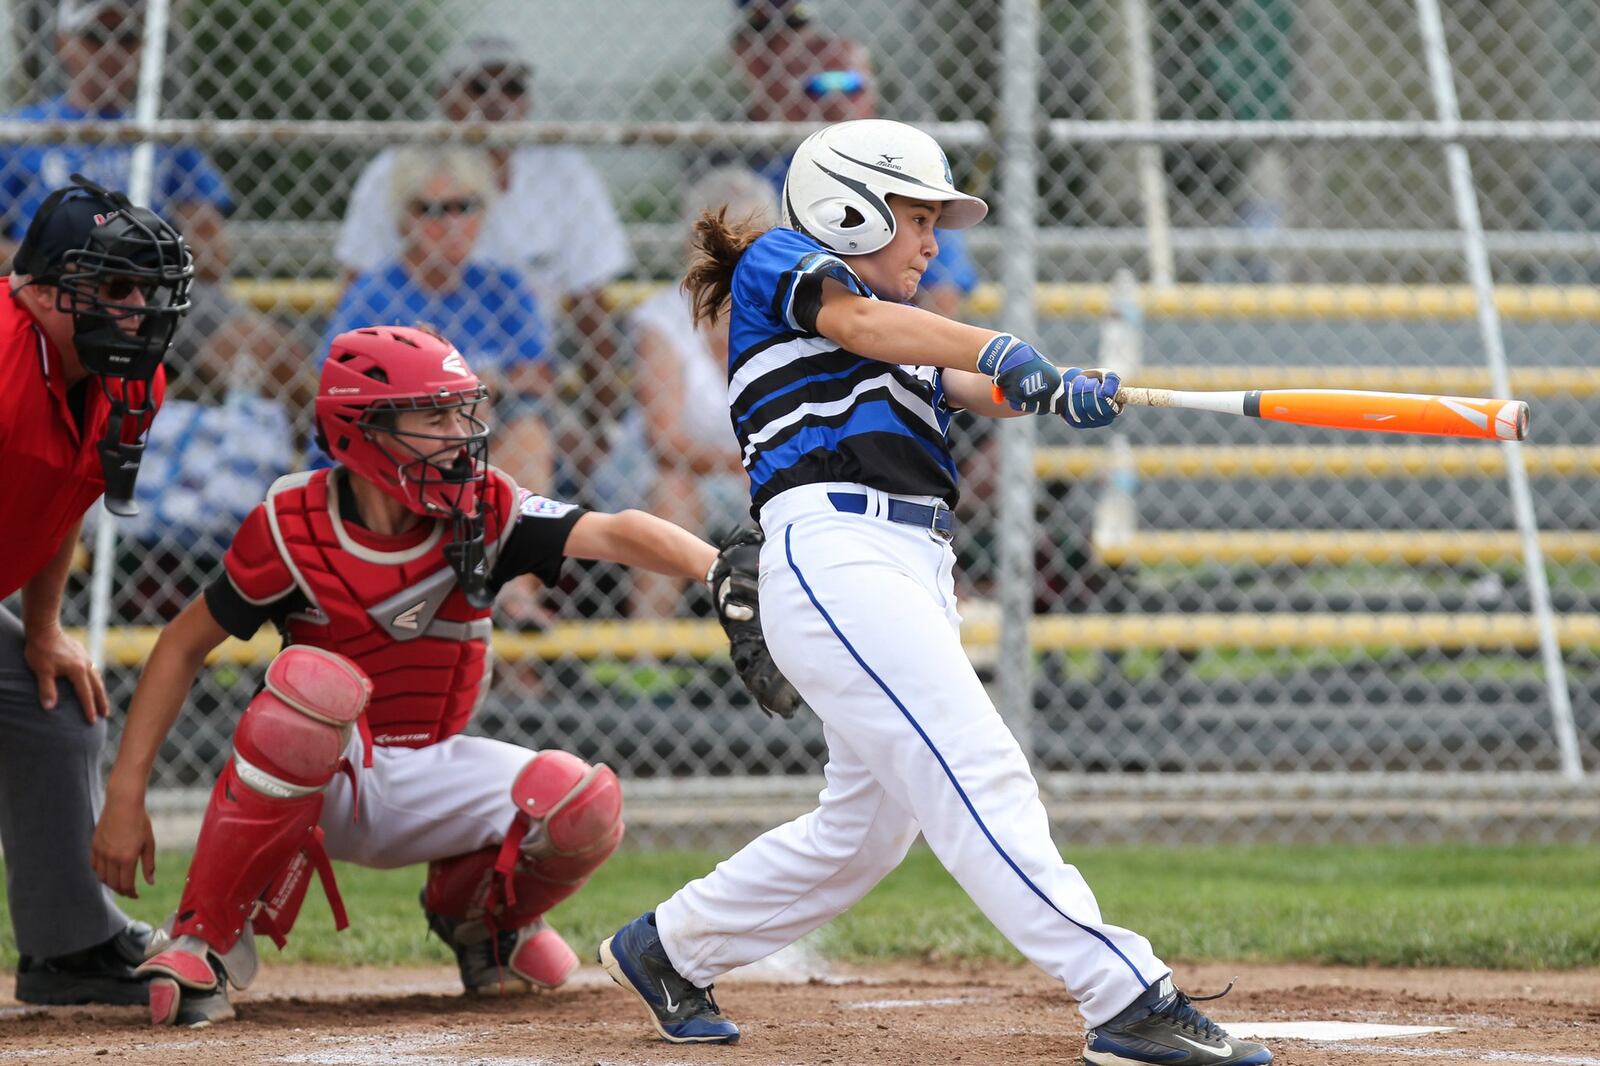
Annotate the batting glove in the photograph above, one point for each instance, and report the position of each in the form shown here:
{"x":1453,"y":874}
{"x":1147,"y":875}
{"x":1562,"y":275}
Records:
{"x":1025,"y":379}
{"x":1089,"y":398}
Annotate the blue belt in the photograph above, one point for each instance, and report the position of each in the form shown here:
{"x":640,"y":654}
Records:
{"x":937,"y":519}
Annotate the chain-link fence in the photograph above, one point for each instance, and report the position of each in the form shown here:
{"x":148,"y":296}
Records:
{"x":1214,"y":601}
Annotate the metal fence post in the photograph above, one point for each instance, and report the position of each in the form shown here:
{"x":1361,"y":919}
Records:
{"x":1019,"y":97}
{"x":147,"y":106}
{"x":1477,"y":254}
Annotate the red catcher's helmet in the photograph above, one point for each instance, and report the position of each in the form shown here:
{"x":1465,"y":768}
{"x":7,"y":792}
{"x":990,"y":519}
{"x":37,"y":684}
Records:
{"x":374,"y":372}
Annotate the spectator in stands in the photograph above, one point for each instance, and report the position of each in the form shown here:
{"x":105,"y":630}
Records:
{"x":553,"y":222}
{"x":793,"y":71}
{"x":225,"y":347}
{"x":682,"y":382}
{"x":439,"y":201}
{"x":98,"y":43}
{"x":221,"y":344}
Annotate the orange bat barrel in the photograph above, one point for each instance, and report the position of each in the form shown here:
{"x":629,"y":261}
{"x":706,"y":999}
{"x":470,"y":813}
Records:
{"x":1392,"y":412}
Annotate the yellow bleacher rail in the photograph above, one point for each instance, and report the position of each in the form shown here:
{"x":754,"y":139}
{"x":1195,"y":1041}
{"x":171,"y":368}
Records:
{"x":1300,"y":547}
{"x":1518,"y":303}
{"x":1526,"y":382}
{"x":620,"y":641}
{"x":1409,"y":461}
{"x":1525,"y":303}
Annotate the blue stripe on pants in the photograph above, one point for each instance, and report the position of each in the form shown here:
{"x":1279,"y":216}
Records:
{"x":1035,"y":889}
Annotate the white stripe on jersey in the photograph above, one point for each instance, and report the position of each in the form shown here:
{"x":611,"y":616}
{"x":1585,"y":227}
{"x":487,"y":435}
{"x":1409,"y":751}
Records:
{"x":778,"y":355}
{"x":905,"y":398}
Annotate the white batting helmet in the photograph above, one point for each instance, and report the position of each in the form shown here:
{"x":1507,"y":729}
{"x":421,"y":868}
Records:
{"x":839,"y":180}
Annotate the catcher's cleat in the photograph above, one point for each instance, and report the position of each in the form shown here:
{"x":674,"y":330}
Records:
{"x":99,"y":974}
{"x":188,"y":986}
{"x":682,"y":1013}
{"x":1163,"y":1027}
{"x":533,"y":956}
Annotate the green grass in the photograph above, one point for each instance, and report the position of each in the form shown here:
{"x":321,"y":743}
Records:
{"x":1504,"y":908}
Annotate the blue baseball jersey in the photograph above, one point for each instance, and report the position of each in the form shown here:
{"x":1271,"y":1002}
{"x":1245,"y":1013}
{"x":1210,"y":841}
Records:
{"x":806,"y":411}
{"x":30,"y":172}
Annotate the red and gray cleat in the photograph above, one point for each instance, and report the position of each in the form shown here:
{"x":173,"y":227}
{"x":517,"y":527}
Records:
{"x":188,"y":985}
{"x":507,"y":960}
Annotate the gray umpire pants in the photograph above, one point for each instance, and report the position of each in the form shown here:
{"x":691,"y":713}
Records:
{"x":50,"y":795}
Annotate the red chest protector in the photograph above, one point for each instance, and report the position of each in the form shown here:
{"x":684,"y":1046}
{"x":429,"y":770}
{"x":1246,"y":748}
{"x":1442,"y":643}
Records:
{"x":390,"y":604}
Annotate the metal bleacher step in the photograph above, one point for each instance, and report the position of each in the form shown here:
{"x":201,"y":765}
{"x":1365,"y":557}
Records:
{"x":1387,"y":303}
{"x":129,"y":646}
{"x":1332,"y":547}
{"x":1354,"y":461}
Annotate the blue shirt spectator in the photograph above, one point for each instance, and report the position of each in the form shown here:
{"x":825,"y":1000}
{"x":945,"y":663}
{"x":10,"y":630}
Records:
{"x":183,"y":175}
{"x":490,"y":316}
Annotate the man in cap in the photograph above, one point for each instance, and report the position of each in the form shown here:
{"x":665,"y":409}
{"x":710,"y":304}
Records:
{"x":96,"y":290}
{"x":792,"y":70}
{"x":98,"y":43}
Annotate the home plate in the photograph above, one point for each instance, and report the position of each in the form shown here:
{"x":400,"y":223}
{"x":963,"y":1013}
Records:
{"x":1326,"y":1030}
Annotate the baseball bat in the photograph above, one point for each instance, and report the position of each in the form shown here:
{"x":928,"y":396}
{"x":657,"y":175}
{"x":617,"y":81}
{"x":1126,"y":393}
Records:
{"x":1352,"y":409}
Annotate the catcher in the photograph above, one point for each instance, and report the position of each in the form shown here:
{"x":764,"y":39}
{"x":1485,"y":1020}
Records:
{"x":380,"y":574}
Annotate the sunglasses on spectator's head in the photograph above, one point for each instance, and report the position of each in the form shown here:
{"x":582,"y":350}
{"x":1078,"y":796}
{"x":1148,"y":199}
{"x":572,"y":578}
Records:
{"x":125,"y":36}
{"x":464,"y":205}
{"x":848,"y":82}
{"x":483,"y":85}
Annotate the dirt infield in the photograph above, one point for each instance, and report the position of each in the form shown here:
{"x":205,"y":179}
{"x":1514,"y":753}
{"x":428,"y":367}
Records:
{"x":987,"y":1016}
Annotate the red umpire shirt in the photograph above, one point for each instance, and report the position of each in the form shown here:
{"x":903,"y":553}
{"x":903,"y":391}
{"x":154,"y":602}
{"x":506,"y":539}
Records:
{"x":49,"y":443}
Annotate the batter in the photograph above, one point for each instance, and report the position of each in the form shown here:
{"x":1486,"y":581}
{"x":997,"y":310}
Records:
{"x":840,"y":394}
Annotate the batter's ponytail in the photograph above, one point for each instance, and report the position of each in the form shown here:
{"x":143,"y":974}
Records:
{"x":714,"y":250}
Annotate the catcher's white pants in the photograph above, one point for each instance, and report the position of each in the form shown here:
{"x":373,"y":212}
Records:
{"x":422,"y":804}
{"x":860,"y":613}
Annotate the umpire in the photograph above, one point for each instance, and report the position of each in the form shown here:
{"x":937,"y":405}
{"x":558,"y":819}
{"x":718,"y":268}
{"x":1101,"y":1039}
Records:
{"x":96,"y":290}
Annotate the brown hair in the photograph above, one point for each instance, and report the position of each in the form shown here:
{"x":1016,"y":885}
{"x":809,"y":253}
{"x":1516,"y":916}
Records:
{"x":714,"y":250}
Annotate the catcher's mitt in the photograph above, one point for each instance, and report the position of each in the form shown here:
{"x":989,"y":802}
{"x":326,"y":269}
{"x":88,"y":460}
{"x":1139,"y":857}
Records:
{"x":733,"y":578}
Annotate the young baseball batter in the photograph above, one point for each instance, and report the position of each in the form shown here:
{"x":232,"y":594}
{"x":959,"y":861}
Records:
{"x":380,"y":574}
{"x":840,"y":394}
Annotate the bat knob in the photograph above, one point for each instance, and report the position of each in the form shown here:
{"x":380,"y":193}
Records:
{"x":999,"y":395}
{"x":1511,"y":421}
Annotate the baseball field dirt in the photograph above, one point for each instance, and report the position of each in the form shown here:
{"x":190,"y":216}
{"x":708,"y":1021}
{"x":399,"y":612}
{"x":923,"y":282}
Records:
{"x":904,"y":1014}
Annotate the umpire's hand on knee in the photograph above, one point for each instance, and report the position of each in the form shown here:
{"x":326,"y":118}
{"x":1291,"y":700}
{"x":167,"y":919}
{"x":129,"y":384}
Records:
{"x":53,"y":655}
{"x":1089,"y":399}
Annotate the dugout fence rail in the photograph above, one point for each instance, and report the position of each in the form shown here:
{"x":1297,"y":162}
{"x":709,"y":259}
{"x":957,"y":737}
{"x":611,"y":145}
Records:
{"x":1389,"y":625}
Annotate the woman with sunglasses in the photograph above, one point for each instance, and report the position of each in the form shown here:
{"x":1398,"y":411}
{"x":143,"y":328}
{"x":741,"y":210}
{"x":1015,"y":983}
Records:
{"x":438,"y":201}
{"x":552,"y":220}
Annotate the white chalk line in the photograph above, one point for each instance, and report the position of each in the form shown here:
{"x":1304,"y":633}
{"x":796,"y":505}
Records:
{"x":1328,"y":1031}
{"x":1467,"y":1056}
{"x":898,"y":1004}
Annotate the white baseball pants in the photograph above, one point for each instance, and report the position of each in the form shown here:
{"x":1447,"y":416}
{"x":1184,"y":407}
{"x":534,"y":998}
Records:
{"x":860,"y":614}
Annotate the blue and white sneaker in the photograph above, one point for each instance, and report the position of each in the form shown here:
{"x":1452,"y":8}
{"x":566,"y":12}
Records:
{"x":682,"y":1013}
{"x":1164,"y":1028}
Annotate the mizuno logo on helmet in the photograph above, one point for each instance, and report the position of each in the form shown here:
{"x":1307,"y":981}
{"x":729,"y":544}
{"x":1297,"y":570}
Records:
{"x":889,"y":160}
{"x":454,"y":364}
{"x":891,"y":170}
